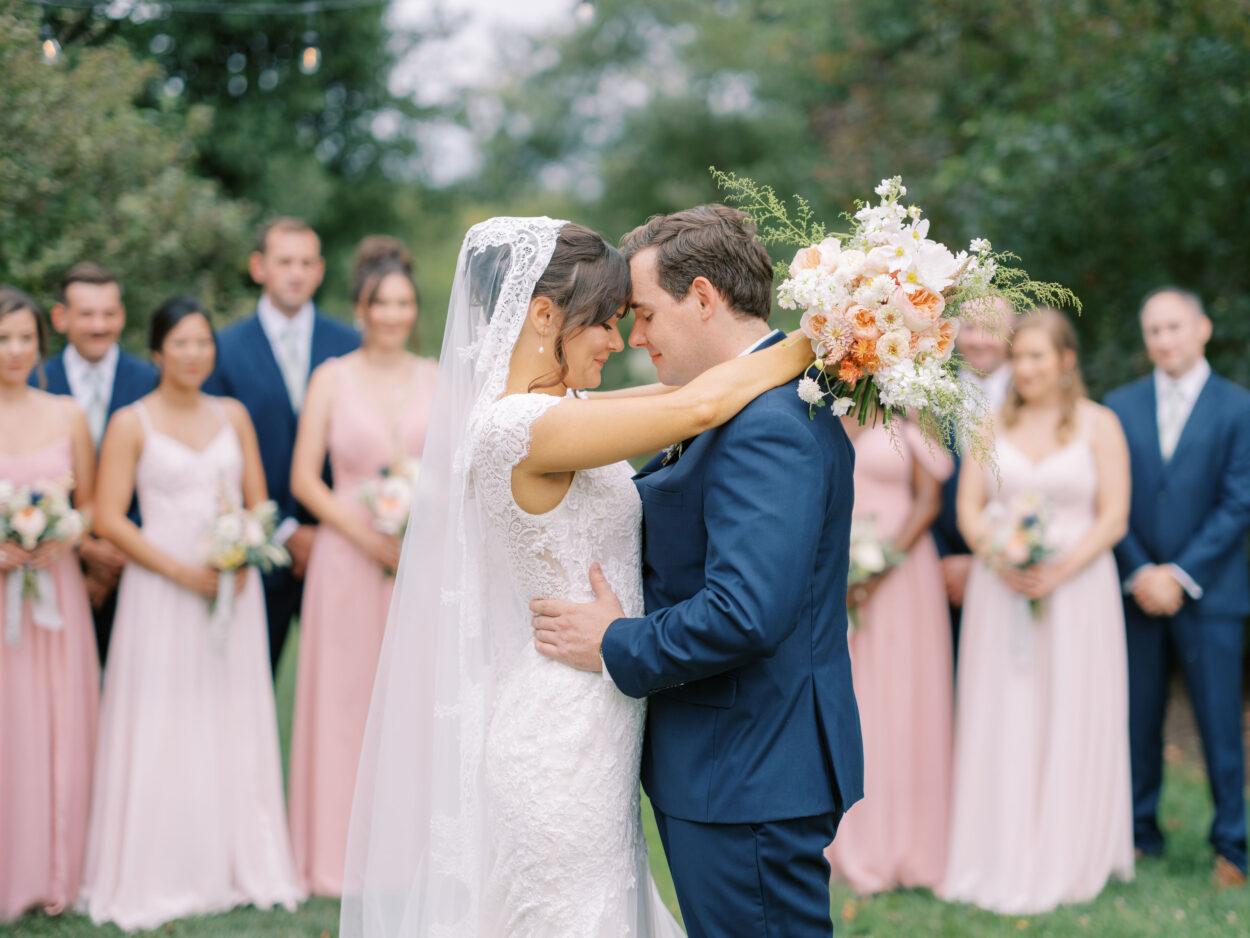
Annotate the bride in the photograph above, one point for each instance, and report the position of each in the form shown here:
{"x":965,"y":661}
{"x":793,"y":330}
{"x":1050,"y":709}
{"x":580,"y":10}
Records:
{"x":498,"y":791}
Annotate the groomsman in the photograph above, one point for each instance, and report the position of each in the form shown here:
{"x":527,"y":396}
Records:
{"x":984,"y":350}
{"x":265,"y":361}
{"x":101,"y":377}
{"x":1183,"y":565}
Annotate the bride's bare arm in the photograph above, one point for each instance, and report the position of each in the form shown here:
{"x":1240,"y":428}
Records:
{"x":642,"y":390}
{"x":584,"y":434}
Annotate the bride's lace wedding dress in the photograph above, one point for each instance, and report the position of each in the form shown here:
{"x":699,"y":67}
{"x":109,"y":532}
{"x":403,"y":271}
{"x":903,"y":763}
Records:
{"x":498,"y":791}
{"x":562,"y":746}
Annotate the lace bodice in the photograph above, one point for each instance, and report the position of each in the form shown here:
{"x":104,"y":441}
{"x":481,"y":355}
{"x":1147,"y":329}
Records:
{"x":549,"y":555}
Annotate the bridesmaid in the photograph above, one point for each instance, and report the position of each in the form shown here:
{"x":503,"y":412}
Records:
{"x":1041,"y":814}
{"x":366,"y":411}
{"x":187,"y":817}
{"x":49,"y":678}
{"x":901,"y":662}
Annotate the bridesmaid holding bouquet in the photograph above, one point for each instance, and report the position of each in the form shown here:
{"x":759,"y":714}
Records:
{"x":187,"y":817}
{"x":368,"y":413}
{"x":49,"y":673}
{"x":1041,"y":814}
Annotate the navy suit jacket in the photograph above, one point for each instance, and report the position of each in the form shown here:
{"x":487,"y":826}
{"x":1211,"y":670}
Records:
{"x":945,"y":528}
{"x":133,"y":379}
{"x":743,"y":651}
{"x":248,"y":371}
{"x":1193,"y":510}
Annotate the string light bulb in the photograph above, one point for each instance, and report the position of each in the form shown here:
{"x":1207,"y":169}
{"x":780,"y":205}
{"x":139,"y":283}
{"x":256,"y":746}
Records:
{"x":49,"y":47}
{"x":310,"y":55}
{"x":584,"y":13}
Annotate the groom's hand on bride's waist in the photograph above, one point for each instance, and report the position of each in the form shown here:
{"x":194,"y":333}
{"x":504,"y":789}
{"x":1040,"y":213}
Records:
{"x":572,"y":633}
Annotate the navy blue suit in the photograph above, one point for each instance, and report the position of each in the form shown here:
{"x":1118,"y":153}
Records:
{"x":248,"y":371}
{"x":1193,"y":511}
{"x":133,"y":379}
{"x":753,"y":746}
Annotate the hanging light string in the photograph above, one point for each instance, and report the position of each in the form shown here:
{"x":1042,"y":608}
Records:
{"x":217,"y":7}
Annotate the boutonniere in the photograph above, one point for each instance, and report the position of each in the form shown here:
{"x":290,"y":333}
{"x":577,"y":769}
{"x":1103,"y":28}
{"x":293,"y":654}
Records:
{"x":671,"y":453}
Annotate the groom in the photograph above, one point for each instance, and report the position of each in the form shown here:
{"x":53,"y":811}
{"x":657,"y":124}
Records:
{"x":753,"y":748}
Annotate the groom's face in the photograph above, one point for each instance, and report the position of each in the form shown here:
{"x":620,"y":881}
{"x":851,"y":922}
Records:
{"x":665,"y":327}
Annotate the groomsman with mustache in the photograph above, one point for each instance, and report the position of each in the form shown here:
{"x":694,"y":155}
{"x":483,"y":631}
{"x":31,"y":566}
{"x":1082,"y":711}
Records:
{"x":1183,"y":565}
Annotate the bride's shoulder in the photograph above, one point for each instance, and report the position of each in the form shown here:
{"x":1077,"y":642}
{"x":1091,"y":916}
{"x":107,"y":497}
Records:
{"x":518,"y":409}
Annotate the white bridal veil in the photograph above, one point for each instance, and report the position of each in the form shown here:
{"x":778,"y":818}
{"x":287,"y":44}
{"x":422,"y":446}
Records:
{"x":417,"y":847}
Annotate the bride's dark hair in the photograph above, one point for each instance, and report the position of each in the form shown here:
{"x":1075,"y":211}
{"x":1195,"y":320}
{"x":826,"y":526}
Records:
{"x":588,"y":280}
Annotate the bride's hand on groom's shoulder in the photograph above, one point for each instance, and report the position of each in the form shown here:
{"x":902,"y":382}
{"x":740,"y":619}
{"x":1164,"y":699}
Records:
{"x":572,"y":633}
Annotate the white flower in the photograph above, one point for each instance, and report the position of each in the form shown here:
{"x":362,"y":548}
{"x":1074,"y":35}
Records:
{"x":894,"y":346}
{"x":253,"y":532}
{"x":29,"y":524}
{"x":869,"y":556}
{"x":229,"y":529}
{"x":932,"y":266}
{"x":913,"y":212}
{"x":979,"y":246}
{"x":810,"y":392}
{"x":889,"y":318}
{"x":842,"y":406}
{"x":830,"y":251}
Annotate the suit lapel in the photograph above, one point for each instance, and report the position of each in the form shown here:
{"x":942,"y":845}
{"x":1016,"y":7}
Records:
{"x":54,"y":374}
{"x":1150,"y":426}
{"x":122,"y":377}
{"x":319,"y":347}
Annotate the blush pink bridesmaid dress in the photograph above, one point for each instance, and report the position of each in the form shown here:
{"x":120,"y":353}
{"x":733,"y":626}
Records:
{"x":1041,"y":814}
{"x":187,"y":817}
{"x":49,"y":696}
{"x":346,"y":598}
{"x":901,"y":663}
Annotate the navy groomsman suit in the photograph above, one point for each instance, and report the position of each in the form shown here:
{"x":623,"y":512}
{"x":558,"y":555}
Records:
{"x":753,"y":748}
{"x":1191,"y":510}
{"x":132,"y":379}
{"x":248,"y":370}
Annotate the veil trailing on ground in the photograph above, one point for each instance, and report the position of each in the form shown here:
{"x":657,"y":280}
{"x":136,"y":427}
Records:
{"x":417,"y":849}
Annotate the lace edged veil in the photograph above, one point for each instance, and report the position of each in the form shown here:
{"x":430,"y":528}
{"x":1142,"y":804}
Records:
{"x":417,"y":854}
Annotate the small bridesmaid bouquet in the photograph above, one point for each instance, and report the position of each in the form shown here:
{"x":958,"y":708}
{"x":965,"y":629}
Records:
{"x":1019,"y":537}
{"x":389,"y":497}
{"x":31,"y":516}
{"x":871,"y":556}
{"x":240,"y":537}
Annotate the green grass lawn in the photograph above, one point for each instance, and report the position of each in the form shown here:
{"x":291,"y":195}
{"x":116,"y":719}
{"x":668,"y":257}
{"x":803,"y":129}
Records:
{"x":1171,"y":898}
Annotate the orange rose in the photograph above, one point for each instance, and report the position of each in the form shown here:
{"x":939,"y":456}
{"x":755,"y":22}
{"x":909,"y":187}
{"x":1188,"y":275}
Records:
{"x":806,"y":259}
{"x":921,"y":309}
{"x":849,"y":372}
{"x":863,"y":323}
{"x":947,"y":330}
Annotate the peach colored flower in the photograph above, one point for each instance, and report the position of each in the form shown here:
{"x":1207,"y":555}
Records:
{"x":864,"y":354}
{"x":814,"y":324}
{"x":805,"y":259}
{"x":863,"y":322}
{"x":849,"y":372}
{"x":947,"y":330}
{"x":921,"y":308}
{"x":894,"y":346}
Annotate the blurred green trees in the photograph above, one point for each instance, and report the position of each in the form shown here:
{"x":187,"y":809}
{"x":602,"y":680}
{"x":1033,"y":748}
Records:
{"x":84,"y":173}
{"x":1103,"y":142}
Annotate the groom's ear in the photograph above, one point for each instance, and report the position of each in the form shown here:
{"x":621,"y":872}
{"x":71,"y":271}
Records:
{"x":708,"y":297}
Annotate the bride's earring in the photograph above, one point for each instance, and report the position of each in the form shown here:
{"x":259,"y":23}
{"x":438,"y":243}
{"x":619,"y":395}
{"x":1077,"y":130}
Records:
{"x":541,"y":347}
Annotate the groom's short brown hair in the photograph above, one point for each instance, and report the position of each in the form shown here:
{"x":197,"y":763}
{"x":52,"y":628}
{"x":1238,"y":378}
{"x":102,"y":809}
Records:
{"x":712,"y":241}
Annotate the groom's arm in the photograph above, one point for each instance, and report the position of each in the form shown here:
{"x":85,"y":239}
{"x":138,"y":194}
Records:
{"x":764,"y":503}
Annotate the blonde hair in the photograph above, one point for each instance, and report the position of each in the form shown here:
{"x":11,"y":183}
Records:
{"x":1058,"y":328}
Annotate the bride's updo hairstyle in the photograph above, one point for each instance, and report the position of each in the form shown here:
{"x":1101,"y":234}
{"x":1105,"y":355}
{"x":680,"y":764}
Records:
{"x":1059,"y":330}
{"x":588,"y":280}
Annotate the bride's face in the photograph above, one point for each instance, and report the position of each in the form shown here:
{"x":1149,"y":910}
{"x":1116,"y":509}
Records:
{"x":588,"y":350}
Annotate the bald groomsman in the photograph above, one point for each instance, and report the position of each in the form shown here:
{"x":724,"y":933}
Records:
{"x":1183,"y":564}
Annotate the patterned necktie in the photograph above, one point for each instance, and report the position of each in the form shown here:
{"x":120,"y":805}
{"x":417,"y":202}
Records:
{"x":1171,"y":419}
{"x":294,"y":369}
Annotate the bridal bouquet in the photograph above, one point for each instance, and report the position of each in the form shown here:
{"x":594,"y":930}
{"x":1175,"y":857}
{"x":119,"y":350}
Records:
{"x":1018,"y":538}
{"x":883,"y":303}
{"x":389,"y":497}
{"x":871,"y":556}
{"x":240,"y":537}
{"x":30,"y":516}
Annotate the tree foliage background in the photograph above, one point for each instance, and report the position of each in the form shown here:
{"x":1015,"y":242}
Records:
{"x":1101,"y":140}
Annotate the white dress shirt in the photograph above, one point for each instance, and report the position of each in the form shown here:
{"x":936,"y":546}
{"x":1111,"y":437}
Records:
{"x":1174,"y":402}
{"x":91,"y":383}
{"x":290,"y":337}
